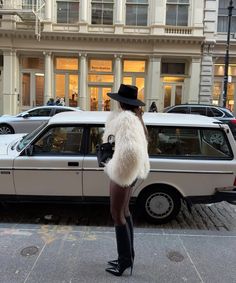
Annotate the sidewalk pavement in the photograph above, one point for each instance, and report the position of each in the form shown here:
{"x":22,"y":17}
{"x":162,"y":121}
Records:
{"x":36,"y":253}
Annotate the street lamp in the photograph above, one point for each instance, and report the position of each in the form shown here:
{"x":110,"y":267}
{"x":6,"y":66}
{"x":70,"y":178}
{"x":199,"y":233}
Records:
{"x":230,"y":8}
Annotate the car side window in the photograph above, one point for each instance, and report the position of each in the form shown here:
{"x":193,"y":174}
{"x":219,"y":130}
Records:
{"x":172,"y":141}
{"x":59,"y":110}
{"x":216,"y":112}
{"x":198,"y":110}
{"x":177,"y":142}
{"x":40,"y":112}
{"x":95,"y":137}
{"x":60,"y":140}
{"x":180,"y":109}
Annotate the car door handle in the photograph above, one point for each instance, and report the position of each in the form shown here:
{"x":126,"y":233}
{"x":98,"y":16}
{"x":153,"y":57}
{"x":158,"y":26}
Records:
{"x":73,"y":163}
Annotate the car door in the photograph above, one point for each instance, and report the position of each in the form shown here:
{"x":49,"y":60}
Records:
{"x":95,"y":181}
{"x":31,"y":119}
{"x":55,"y":166}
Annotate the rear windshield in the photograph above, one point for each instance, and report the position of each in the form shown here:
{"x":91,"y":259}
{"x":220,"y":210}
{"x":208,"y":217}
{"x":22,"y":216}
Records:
{"x":185,"y":142}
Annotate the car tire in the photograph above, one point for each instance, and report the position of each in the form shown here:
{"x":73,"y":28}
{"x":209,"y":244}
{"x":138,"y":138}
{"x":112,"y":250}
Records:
{"x":6,"y":130}
{"x":159,"y":204}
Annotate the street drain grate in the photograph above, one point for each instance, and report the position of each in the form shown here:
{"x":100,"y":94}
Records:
{"x":175,"y":256}
{"x":28,"y":251}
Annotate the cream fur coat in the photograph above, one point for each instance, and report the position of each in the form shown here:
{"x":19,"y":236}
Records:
{"x":130,"y":159}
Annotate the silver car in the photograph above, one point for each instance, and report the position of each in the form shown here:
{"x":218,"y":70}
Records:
{"x":29,"y":120}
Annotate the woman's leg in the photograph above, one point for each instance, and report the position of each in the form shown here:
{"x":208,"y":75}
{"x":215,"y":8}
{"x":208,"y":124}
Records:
{"x":126,"y":210}
{"x":119,"y":197}
{"x":129,"y":221}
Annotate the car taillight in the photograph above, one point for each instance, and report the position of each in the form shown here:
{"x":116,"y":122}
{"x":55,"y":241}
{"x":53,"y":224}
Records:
{"x":233,"y":121}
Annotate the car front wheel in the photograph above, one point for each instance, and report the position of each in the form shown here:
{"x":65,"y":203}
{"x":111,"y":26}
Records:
{"x":6,"y":130}
{"x":160,"y":205}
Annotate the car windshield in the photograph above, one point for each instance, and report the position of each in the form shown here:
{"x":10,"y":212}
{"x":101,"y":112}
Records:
{"x":27,"y":139}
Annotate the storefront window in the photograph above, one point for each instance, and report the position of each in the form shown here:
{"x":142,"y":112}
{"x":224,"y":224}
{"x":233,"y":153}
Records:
{"x":26,"y":90}
{"x":60,"y":85}
{"x":134,"y":74}
{"x":219,"y":70}
{"x":173,"y":91}
{"x":173,"y":68}
{"x":67,"y":64}
{"x":217,"y":94}
{"x":100,"y":65}
{"x":219,"y":85}
{"x":140,"y":85}
{"x":101,"y":80}
{"x":134,"y":66}
{"x":32,"y":63}
{"x":39,"y":89}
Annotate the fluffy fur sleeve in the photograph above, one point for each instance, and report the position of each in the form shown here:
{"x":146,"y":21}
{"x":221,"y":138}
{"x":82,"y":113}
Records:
{"x":124,"y":166}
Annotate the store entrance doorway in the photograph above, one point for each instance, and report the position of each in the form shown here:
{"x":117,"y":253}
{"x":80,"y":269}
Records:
{"x":172,"y":94}
{"x":99,"y":101}
{"x":32,"y":90}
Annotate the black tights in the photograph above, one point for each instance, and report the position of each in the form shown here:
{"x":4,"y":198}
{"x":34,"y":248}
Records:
{"x":119,"y":203}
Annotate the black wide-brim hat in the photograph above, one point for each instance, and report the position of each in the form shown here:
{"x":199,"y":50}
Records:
{"x":127,"y":94}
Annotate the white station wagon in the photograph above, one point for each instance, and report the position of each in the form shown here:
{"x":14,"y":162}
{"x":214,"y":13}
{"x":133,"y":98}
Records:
{"x":193,"y":158}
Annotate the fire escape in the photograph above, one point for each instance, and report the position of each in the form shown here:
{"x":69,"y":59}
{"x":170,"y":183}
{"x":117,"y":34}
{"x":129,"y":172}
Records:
{"x":26,"y":10}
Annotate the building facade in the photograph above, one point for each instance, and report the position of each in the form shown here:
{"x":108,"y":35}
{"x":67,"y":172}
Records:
{"x":82,"y":49}
{"x":214,"y":49}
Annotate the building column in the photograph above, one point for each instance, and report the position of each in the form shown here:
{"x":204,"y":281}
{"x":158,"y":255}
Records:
{"x":197,"y":22}
{"x":84,"y":15}
{"x":47,"y":24}
{"x":157,"y":16}
{"x":207,"y":73}
{"x":153,"y":89}
{"x":10,"y":82}
{"x":119,"y":16}
{"x":48,"y":78}
{"x":117,"y":77}
{"x":83,"y":83}
{"x":194,"y":83}
{"x":118,"y":72}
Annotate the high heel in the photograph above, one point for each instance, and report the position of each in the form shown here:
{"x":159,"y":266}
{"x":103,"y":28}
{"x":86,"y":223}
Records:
{"x":113,"y":262}
{"x":119,"y":269}
{"x":129,"y":221}
{"x":125,"y":259}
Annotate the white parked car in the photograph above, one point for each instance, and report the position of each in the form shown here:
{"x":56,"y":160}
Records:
{"x":29,"y":120}
{"x":192,"y":158}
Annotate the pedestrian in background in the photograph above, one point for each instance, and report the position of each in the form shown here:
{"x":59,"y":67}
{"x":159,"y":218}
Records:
{"x":130,"y":162}
{"x":153,"y":107}
{"x":62,"y":101}
{"x":51,"y":101}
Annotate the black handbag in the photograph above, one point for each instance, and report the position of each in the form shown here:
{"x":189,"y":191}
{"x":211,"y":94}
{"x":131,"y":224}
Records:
{"x":105,"y":151}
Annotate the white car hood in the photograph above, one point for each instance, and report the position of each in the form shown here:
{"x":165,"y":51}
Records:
{"x":8,"y":140}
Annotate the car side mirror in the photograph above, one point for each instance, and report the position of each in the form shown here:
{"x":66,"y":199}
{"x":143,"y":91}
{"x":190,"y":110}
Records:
{"x":29,"y":150}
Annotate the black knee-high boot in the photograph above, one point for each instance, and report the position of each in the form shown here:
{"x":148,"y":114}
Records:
{"x":129,"y":221}
{"x":125,"y":259}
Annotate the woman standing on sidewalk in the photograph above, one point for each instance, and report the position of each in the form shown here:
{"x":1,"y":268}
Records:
{"x":129,"y":162}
